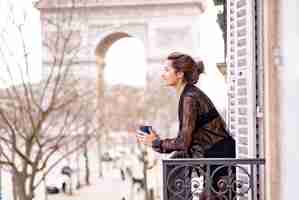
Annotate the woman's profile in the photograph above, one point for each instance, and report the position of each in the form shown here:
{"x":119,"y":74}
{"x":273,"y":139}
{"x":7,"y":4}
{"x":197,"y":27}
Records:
{"x":202,"y":131}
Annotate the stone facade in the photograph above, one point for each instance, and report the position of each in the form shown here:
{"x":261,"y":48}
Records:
{"x":116,"y":3}
{"x":162,"y":26}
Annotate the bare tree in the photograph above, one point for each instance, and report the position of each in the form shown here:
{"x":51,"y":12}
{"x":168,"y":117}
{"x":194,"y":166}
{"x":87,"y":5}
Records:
{"x":126,"y":108}
{"x":148,"y":164}
{"x":38,"y":119}
{"x":87,"y":169}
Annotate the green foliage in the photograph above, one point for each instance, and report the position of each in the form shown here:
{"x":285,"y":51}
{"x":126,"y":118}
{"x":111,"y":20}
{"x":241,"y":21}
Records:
{"x":221,"y":22}
{"x":219,"y":2}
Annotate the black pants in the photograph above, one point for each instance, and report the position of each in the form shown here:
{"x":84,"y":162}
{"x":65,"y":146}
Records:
{"x":223,"y":177}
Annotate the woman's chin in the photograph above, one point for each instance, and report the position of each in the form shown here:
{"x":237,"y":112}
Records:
{"x":167,"y":84}
{"x":170,"y":85}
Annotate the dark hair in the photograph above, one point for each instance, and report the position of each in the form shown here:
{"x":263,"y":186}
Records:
{"x":185,"y":63}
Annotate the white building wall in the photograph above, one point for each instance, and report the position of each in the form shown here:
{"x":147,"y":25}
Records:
{"x":289,"y":132}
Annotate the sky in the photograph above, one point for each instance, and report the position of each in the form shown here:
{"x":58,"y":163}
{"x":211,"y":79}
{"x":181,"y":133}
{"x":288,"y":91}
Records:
{"x":125,"y":63}
{"x":11,"y":49}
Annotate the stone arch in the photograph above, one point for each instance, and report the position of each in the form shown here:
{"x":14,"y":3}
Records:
{"x":110,"y":36}
{"x":105,"y":43}
{"x":115,"y":33}
{"x":108,"y":40}
{"x":100,"y":50}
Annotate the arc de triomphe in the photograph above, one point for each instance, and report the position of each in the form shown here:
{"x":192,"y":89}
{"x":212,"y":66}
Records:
{"x":162,"y":25}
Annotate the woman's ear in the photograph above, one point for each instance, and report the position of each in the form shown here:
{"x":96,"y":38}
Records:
{"x":180,"y":74}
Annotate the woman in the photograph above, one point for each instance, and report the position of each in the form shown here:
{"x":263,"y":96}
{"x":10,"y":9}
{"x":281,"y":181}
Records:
{"x":202,"y":131}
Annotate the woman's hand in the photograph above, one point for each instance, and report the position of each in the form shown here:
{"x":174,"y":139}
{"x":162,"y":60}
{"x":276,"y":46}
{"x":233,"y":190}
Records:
{"x":147,"y":139}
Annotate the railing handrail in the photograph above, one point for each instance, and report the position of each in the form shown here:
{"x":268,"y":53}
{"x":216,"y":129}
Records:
{"x":216,"y":160}
{"x":178,"y":180}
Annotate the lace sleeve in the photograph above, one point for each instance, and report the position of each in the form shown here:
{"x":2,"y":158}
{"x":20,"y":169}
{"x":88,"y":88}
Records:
{"x":184,"y":138}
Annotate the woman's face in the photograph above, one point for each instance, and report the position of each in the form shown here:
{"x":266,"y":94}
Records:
{"x":170,"y":75}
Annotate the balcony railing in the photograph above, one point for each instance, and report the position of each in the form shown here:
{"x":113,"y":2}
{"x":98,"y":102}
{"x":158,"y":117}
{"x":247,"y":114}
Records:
{"x":213,"y":179}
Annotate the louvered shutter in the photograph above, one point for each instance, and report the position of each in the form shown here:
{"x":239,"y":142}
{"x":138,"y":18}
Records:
{"x":245,"y":79}
{"x":241,"y":75}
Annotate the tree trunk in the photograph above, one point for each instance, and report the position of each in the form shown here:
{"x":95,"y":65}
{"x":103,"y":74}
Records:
{"x":13,"y":180}
{"x":45,"y":187}
{"x":21,"y":187}
{"x":99,"y":158}
{"x":14,"y":186}
{"x":70,"y":184}
{"x":151,"y":194}
{"x":78,"y":186}
{"x":87,"y":170}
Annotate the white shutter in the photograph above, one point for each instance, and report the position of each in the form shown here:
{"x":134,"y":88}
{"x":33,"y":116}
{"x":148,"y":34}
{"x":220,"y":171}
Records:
{"x":245,"y":70}
{"x":245,"y":79}
{"x":241,"y":61}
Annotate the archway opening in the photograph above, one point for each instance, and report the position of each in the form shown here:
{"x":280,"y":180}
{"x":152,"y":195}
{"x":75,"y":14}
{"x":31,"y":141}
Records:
{"x":121,"y":85}
{"x":125,"y":63}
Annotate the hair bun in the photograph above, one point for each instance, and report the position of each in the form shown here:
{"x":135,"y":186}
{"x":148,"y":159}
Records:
{"x":185,"y":63}
{"x":200,"y":67}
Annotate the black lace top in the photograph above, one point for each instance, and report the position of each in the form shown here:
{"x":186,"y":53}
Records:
{"x":200,"y":125}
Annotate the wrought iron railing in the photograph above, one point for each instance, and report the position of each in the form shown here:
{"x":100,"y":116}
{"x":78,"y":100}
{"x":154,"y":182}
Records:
{"x":213,"y":179}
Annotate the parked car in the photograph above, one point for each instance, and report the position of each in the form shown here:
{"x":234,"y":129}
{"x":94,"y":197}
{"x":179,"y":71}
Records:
{"x":52,"y":189}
